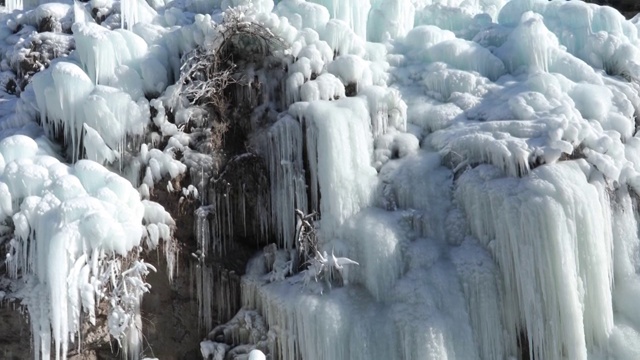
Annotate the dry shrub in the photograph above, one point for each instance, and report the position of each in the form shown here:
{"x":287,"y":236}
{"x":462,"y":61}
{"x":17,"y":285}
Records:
{"x":209,"y":71}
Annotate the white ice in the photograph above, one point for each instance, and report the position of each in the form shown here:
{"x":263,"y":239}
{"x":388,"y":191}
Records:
{"x":477,"y":159}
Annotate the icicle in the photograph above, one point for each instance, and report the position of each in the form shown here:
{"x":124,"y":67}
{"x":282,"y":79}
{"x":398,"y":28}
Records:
{"x":103,"y":52}
{"x":553,"y":243}
{"x":80,"y":13}
{"x":386,"y":108}
{"x":14,"y":5}
{"x":352,"y":12}
{"x":205,"y":294}
{"x":479,"y":278}
{"x":339,"y":150}
{"x":66,"y":266}
{"x":390,"y":18}
{"x":282,"y":146}
{"x":135,"y":11}
{"x":322,"y":328}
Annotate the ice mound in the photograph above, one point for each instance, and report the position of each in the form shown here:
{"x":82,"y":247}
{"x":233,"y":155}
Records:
{"x":70,"y":104}
{"x":75,"y":228}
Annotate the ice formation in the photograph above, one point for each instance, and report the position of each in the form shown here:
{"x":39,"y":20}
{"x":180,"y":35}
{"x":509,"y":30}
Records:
{"x":283,"y":153}
{"x":474,"y":162}
{"x":474,"y":261}
{"x":74,"y":227}
{"x":77,"y":230}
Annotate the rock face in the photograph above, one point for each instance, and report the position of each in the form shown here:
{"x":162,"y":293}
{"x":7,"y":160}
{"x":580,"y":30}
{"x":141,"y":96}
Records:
{"x":628,"y":8}
{"x":15,"y":335}
{"x":169,"y":310}
{"x":169,"y":317}
{"x":15,"y":339}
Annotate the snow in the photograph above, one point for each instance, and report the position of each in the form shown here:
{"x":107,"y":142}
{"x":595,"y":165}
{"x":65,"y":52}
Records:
{"x":472,"y":167}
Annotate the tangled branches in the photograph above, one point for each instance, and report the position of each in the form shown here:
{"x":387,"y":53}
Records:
{"x":246,"y":42}
{"x":208,"y":71}
{"x":306,"y":239}
{"x":319,"y":265}
{"x":204,"y":78}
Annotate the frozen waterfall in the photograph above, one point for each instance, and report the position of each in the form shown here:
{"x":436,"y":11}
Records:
{"x":425,"y":179}
{"x":512,"y":248}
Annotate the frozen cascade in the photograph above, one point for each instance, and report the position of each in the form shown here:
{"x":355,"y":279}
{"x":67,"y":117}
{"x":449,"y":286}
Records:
{"x":216,"y":290}
{"x":387,"y":110}
{"x":424,"y":317}
{"x":204,"y":282}
{"x":303,"y":14}
{"x":339,"y":327}
{"x":498,"y":228}
{"x":339,"y":148}
{"x":68,"y":101}
{"x":238,"y":207}
{"x":22,"y":4}
{"x":627,"y":284}
{"x":390,"y":19}
{"x":102,"y":51}
{"x":215,"y":287}
{"x":14,"y":5}
{"x":282,"y":146}
{"x":75,"y":104}
{"x":381,"y":250}
{"x":482,"y":291}
{"x":352,"y":12}
{"x":380,"y":245}
{"x":59,"y":93}
{"x":135,"y":11}
{"x":479,"y":163}
{"x":558,"y":218}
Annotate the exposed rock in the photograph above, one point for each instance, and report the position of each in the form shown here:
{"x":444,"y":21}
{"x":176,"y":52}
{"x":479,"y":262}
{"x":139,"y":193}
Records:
{"x":628,"y":8}
{"x":15,"y":334}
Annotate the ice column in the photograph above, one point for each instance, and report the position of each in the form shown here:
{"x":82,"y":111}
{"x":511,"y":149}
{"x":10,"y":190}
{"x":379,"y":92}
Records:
{"x":339,"y":147}
{"x":390,"y":18}
{"x":282,"y":146}
{"x":135,"y":11}
{"x":353,"y":12}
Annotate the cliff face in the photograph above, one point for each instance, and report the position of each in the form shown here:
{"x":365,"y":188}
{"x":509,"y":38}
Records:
{"x":15,"y":335}
{"x":628,"y":8}
{"x":169,"y":316}
{"x":169,"y":311}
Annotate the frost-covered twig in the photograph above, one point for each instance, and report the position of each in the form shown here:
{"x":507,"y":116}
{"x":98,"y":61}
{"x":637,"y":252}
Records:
{"x":306,"y":240}
{"x":209,"y":70}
